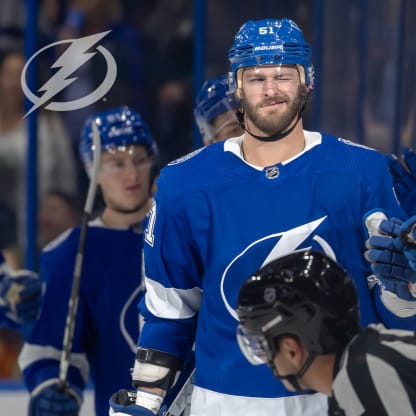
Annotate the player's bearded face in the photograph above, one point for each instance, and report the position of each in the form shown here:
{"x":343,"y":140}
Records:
{"x":272,"y":99}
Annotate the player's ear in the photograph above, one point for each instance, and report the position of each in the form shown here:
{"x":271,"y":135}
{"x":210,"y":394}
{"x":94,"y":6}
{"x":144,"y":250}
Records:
{"x":292,"y":350}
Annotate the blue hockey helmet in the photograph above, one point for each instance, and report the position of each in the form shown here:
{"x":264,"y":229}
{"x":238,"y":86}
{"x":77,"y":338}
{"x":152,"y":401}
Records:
{"x":118,"y":128}
{"x":214,"y":98}
{"x":270,"y":42}
{"x":304,"y":294}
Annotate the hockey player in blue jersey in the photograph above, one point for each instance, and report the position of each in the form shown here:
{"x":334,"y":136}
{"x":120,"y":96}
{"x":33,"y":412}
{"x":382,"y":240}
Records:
{"x":107,"y":322}
{"x":225,"y":210}
{"x":20,"y":296}
{"x":403,"y":169}
{"x":215,"y":111}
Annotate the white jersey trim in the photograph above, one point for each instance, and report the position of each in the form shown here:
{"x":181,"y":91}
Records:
{"x":400,"y":307}
{"x":208,"y":403}
{"x":31,"y":353}
{"x":171,"y":303}
{"x":97,"y":222}
{"x":233,"y":145}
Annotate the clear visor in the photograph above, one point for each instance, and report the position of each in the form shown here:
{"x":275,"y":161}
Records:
{"x":220,"y":115}
{"x":253,"y":346}
{"x":118,"y":159}
{"x":114,"y":148}
{"x":226,"y":104}
{"x":256,"y":78}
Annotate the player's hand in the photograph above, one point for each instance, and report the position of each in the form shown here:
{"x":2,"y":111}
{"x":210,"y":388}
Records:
{"x":123,"y":403}
{"x":52,"y":401}
{"x":388,"y":261}
{"x":403,"y":170}
{"x":20,"y":295}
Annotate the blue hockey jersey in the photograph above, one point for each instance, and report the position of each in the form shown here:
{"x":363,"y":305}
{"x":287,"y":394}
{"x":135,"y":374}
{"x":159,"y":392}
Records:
{"x":107,"y":324}
{"x":217,"y":219}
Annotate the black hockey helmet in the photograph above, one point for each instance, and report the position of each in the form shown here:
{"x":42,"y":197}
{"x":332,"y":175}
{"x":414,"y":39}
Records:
{"x":305,"y":294}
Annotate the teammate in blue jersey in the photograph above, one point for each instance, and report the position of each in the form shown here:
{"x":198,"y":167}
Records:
{"x":225,"y":210}
{"x":403,"y":169}
{"x":107,"y":322}
{"x":20,"y":296}
{"x":215,"y":111}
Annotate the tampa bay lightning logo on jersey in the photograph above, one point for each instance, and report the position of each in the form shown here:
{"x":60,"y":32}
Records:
{"x":263,"y":251}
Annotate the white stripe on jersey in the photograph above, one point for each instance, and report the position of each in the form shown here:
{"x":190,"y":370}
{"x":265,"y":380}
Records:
{"x":209,"y":403}
{"x":384,"y":382}
{"x":171,"y":303}
{"x":385,"y":378}
{"x":407,"y":350}
{"x":31,"y":353}
{"x":342,"y":383}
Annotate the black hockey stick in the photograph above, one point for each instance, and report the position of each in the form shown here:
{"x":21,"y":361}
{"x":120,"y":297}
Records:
{"x":79,"y":259}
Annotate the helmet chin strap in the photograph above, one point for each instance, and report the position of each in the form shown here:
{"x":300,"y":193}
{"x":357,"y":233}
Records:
{"x":278,"y":135}
{"x":293,"y":378}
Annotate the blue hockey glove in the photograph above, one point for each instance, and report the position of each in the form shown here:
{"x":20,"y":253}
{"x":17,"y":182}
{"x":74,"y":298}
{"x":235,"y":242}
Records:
{"x":388,"y":262}
{"x":403,"y":170}
{"x":20,"y":295}
{"x":123,"y":403}
{"x":51,"y":401}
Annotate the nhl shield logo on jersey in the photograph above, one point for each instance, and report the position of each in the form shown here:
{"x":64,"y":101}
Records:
{"x":272,"y":173}
{"x":264,"y":250}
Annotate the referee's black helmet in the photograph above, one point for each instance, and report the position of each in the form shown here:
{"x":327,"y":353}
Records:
{"x":305,"y":294}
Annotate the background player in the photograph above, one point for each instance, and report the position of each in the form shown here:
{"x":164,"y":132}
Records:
{"x":299,"y":315}
{"x":276,"y":189}
{"x":20,"y":295}
{"x":215,"y":111}
{"x":107,"y":324}
{"x":403,"y":169}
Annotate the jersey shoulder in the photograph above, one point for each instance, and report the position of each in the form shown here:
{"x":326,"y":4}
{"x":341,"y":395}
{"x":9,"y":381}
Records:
{"x":96,"y":236}
{"x":350,"y":154}
{"x":67,"y":239}
{"x":195,"y":169}
{"x":348,"y":147}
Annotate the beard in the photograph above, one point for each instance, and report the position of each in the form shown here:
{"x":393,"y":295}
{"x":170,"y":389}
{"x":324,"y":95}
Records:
{"x":273,"y":123}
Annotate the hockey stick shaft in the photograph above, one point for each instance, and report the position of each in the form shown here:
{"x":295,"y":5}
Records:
{"x":183,"y":398}
{"x":79,"y":260}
